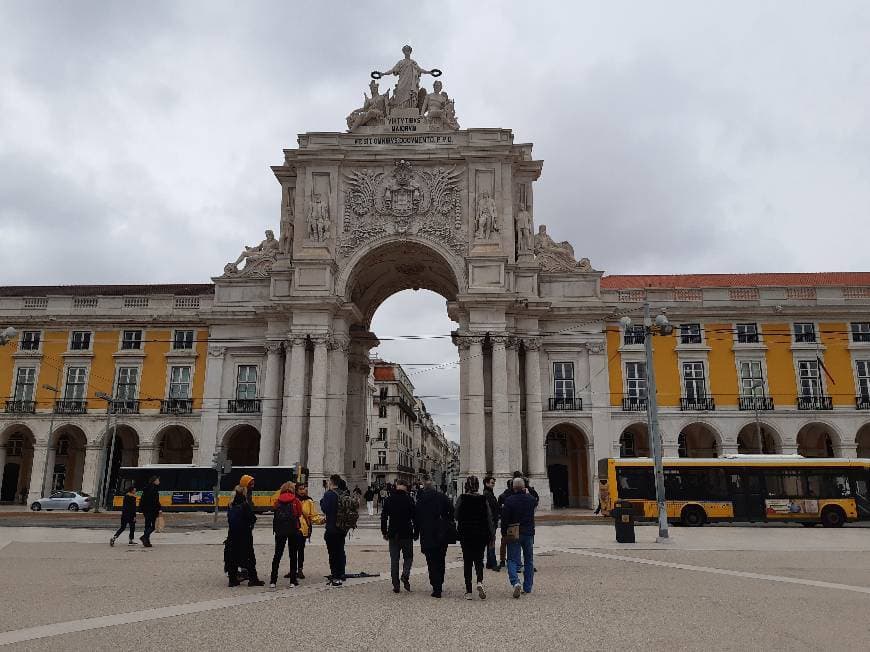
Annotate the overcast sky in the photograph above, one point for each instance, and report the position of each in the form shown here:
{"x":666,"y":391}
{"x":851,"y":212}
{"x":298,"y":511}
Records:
{"x":136,"y":138}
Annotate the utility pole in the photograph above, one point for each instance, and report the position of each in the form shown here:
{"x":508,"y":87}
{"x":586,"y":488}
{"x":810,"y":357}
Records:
{"x":102,"y":495}
{"x":757,"y":421}
{"x":662,"y":326}
{"x":46,"y":478}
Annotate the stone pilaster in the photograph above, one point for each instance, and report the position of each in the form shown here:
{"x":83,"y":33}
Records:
{"x":515,"y":417}
{"x":336,"y":405}
{"x":92,"y":476}
{"x":500,"y":411}
{"x":476,"y":431}
{"x":462,"y":345}
{"x":37,"y":473}
{"x":270,"y":405}
{"x":317,"y":426}
{"x":211,"y":403}
{"x":2,"y":468}
{"x":534,"y":424}
{"x":293,"y":420}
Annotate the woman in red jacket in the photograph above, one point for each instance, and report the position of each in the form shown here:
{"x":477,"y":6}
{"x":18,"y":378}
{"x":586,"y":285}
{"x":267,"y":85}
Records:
{"x":285,"y":525}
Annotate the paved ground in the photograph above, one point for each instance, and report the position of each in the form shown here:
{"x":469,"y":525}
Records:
{"x":716,"y":588}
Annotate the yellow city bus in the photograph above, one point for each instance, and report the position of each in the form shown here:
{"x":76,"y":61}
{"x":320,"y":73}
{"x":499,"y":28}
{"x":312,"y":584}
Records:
{"x":742,"y":488}
{"x":186,"y":487}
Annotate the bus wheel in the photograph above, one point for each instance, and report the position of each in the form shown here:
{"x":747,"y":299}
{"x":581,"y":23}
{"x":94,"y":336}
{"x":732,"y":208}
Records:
{"x":833,"y":517}
{"x":693,"y":516}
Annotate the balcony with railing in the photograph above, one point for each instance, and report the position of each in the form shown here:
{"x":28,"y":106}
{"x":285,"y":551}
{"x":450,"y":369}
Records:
{"x":16,"y":406}
{"x":176,"y":406}
{"x":123,"y":406}
{"x":379,"y":467}
{"x":401,"y":468}
{"x":697,"y":404}
{"x":244,"y":405}
{"x":815,"y":403}
{"x":71,"y":406}
{"x":562,"y":404}
{"x":862,"y":402}
{"x":755,"y":403}
{"x":634,"y":403}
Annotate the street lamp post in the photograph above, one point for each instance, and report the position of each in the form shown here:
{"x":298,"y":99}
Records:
{"x":7,"y":334}
{"x":101,"y":495}
{"x":663,"y":327}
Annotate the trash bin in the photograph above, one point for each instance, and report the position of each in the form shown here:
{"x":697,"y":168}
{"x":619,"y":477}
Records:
{"x":623,"y":519}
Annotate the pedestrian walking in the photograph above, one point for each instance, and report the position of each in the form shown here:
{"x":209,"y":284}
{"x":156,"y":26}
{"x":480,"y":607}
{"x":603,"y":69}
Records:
{"x":287,"y":512}
{"x":382,"y":496}
{"x":519,"y":513}
{"x":474,"y":525}
{"x":492,"y":501}
{"x":399,"y":528}
{"x":128,"y":517}
{"x":434,"y":519}
{"x":240,"y":539}
{"x":335,"y":531}
{"x":369,"y":497}
{"x":502,"y":548}
{"x":310,"y":518}
{"x":149,"y":505}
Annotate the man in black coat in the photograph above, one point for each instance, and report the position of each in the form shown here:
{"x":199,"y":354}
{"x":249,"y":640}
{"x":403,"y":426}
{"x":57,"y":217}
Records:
{"x":494,"y":508}
{"x":434,"y":521}
{"x":149,"y":505}
{"x":399,"y":528}
{"x":128,"y":516}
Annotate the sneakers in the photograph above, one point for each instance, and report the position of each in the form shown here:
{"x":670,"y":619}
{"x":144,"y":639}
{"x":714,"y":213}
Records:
{"x":336,"y":583}
{"x":468,"y":596}
{"x":480,"y":591}
{"x":293,"y":585}
{"x":112,"y":541}
{"x":407,"y":584}
{"x":273,"y":586}
{"x":517,"y":590}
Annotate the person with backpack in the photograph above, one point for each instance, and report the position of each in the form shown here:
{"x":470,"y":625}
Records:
{"x":285,"y":525}
{"x":399,"y":528}
{"x":434,"y":520}
{"x":342,"y":512}
{"x":128,"y":516}
{"x":310,"y":518}
{"x":474,"y":524}
{"x":240,"y":540}
{"x":369,"y":497}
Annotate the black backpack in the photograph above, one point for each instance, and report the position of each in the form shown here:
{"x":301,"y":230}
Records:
{"x":348,"y":511}
{"x":285,"y":522}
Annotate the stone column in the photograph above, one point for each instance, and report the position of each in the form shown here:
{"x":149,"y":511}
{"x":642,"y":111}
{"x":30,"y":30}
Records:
{"x":211,"y":403}
{"x":293,"y":420}
{"x":317,"y":417}
{"x":270,"y":404}
{"x":500,"y":414}
{"x":336,"y":405}
{"x":2,"y":468}
{"x":357,"y":415}
{"x":51,"y":458}
{"x":515,"y":418}
{"x":149,"y":454}
{"x":476,"y":439}
{"x":534,"y":423}
{"x":462,"y":346}
{"x":92,"y":476}
{"x":37,"y":473}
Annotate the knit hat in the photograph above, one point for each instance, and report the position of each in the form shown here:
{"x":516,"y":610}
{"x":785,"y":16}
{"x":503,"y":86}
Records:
{"x":246,"y":480}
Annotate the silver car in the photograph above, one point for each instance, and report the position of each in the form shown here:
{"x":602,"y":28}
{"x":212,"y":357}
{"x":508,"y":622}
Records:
{"x":72,"y":501}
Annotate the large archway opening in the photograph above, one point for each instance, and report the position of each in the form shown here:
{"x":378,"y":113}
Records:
{"x":568,"y":466}
{"x":634,"y":441}
{"x":124,"y":452}
{"x":698,"y":440}
{"x":403,"y":392}
{"x":862,"y":441}
{"x":816,"y":440}
{"x":66,"y":459}
{"x":174,"y":445}
{"x":242,"y":444}
{"x":748,"y":442}
{"x":16,"y":448}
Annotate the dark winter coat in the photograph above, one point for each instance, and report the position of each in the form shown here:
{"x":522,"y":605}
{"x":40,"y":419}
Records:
{"x":329,"y":507}
{"x":519,"y":507}
{"x":473,"y":519}
{"x":240,"y":540}
{"x":434,"y":511}
{"x":149,"y":504}
{"x":369,"y":495}
{"x":397,"y":517}
{"x":494,"y":506}
{"x":128,"y":511}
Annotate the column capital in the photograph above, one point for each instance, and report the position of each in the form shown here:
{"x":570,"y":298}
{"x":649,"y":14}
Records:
{"x":339,"y":343}
{"x":499,"y":340}
{"x":513,"y":342}
{"x":532,"y":343}
{"x":295,"y":340}
{"x":216,"y":351}
{"x":595,"y":347}
{"x":273,"y":346}
{"x":464,"y":339}
{"x":319,"y":339}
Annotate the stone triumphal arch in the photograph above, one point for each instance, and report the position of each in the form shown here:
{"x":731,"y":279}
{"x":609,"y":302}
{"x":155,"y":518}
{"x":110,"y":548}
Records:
{"x":406,"y":199}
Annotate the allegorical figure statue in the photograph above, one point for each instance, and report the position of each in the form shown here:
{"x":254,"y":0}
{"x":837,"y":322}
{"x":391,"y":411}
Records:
{"x":267,"y":249}
{"x":318,"y":220}
{"x":557,"y":256}
{"x":374,"y":108}
{"x":408,"y":85}
{"x":525,"y":241}
{"x":487,"y":217}
{"x":287,"y":228}
{"x":439,"y":107}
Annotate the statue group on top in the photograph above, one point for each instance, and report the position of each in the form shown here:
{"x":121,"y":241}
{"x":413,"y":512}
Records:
{"x":407,"y":95}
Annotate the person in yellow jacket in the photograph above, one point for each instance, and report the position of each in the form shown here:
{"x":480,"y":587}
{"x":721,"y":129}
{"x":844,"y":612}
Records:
{"x":310,"y":518}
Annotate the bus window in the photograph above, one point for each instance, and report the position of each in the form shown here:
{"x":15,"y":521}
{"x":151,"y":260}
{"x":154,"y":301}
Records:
{"x":827,"y":485}
{"x":635,"y":482}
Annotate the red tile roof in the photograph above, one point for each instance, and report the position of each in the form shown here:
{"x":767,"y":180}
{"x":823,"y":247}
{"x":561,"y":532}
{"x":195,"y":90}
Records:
{"x":639,"y":281}
{"x":183,"y":289}
{"x":384,"y":371}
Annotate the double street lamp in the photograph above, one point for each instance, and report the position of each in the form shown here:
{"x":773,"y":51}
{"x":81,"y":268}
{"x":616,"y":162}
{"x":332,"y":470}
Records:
{"x":660,"y":326}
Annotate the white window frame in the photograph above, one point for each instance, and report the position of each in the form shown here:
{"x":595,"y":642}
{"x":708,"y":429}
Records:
{"x":819,"y":376}
{"x":175,"y":341}
{"x":794,"y":330}
{"x":21,"y":341}
{"x":35,"y":383}
{"x":737,"y":333}
{"x":170,"y":382}
{"x":139,"y":343}
{"x":863,"y":330}
{"x":64,"y":393}
{"x":568,"y":382}
{"x":640,"y":381}
{"x":705,"y":378}
{"x":382,"y":457}
{"x":701,"y":337}
{"x":72,"y":338}
{"x":136,"y":385}
{"x":740,"y":378}
{"x":862,"y":379}
{"x":256,"y":381}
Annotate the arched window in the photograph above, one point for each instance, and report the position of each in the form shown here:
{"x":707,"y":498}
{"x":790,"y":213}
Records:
{"x":627,"y":446}
{"x":682,"y":450}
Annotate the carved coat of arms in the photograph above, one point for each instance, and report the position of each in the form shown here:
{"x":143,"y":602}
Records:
{"x":419,"y":201}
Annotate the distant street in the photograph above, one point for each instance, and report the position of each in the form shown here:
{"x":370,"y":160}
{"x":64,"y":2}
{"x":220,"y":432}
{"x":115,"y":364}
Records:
{"x":712,"y":587}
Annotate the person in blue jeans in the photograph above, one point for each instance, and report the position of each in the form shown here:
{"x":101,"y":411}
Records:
{"x":519,"y":508}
